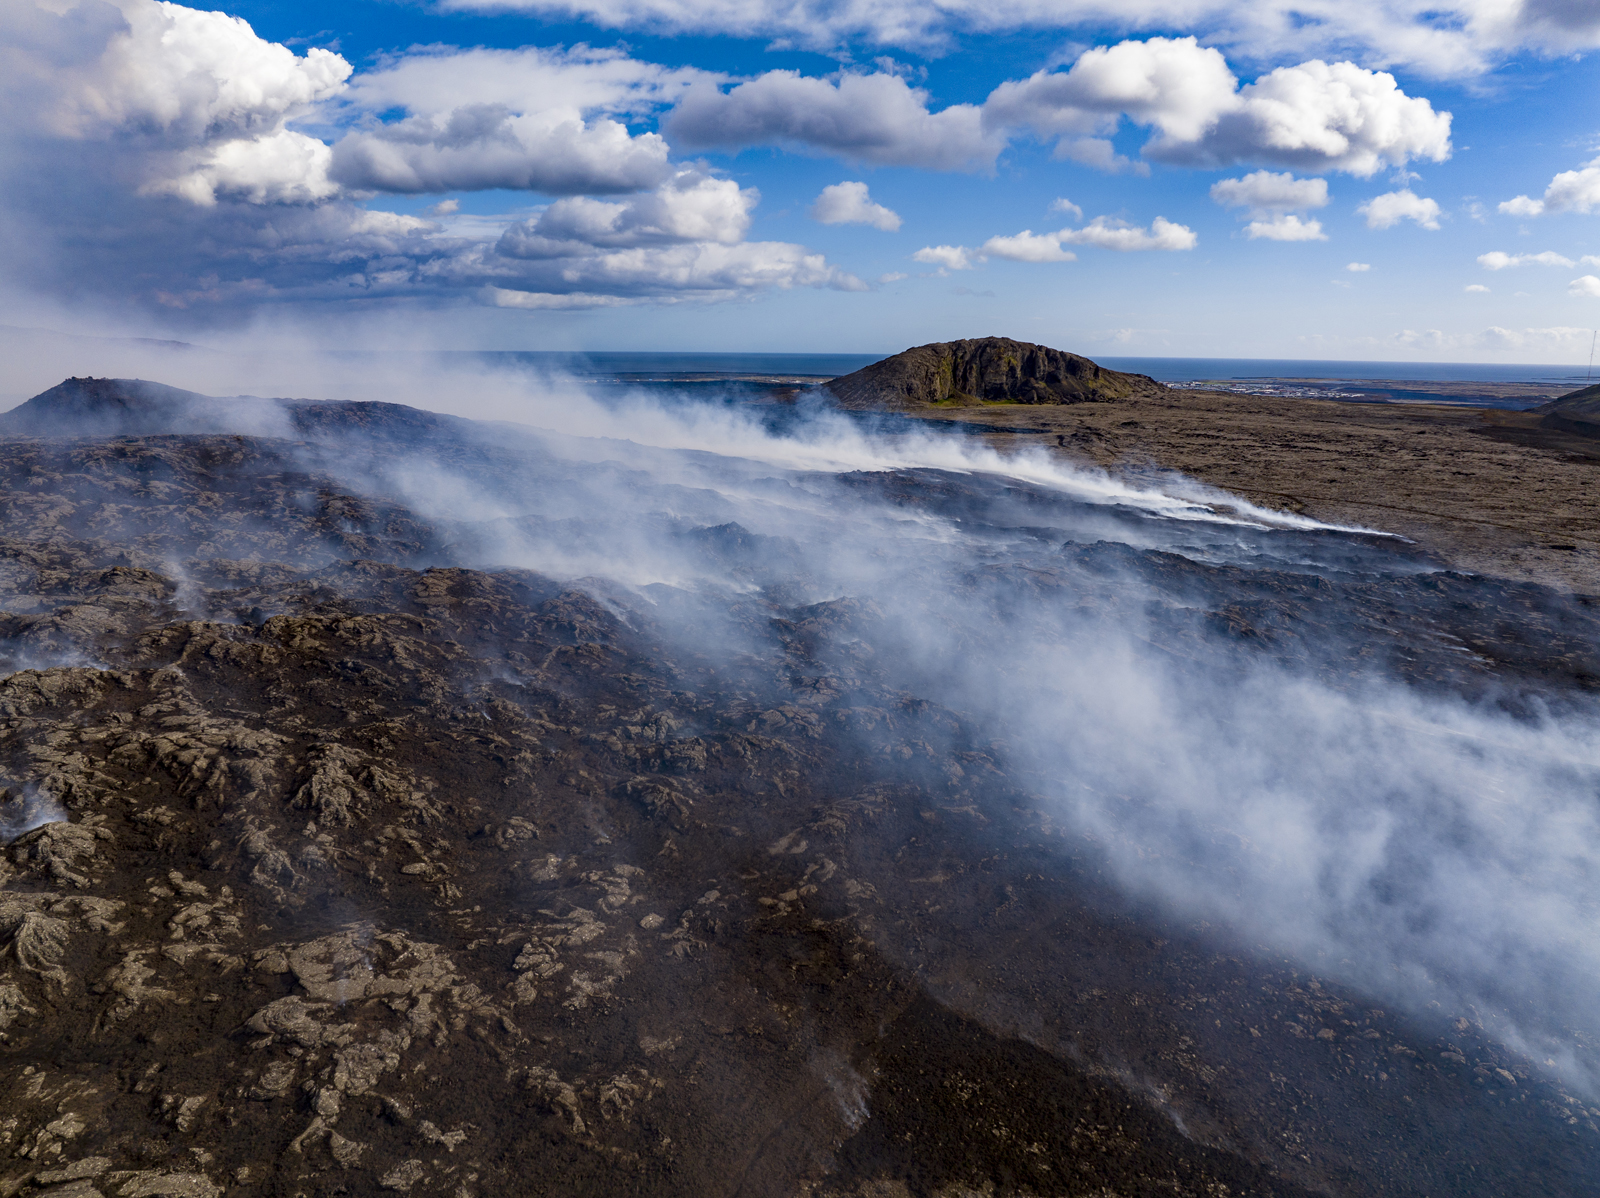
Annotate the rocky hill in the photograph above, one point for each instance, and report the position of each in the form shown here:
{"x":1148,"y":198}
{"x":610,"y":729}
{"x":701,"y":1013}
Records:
{"x":1578,"y":411}
{"x":986,"y":369}
{"x":109,"y":407}
{"x":90,"y":407}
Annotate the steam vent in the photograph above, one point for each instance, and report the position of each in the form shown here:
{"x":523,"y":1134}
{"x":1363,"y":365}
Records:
{"x":994,"y":369}
{"x":397,"y":805}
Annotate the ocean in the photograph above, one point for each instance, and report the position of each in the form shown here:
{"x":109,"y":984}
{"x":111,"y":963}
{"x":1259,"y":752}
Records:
{"x":738,"y":378}
{"x":813,"y":366}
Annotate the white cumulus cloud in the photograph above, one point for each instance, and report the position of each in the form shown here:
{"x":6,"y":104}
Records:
{"x":1264,"y":191}
{"x":695,"y":270}
{"x":1099,"y":153}
{"x":531,"y":119}
{"x":1586,"y":285}
{"x":188,"y":103}
{"x":1285,"y":226}
{"x":1522,"y":206}
{"x":1476,"y":289}
{"x":948,"y":257}
{"x":551,"y":301}
{"x":161,"y":159}
{"x":1389,"y":209}
{"x":1174,"y":84}
{"x":849,"y":204}
{"x":280,"y":167}
{"x":683,"y":240}
{"x":1273,"y":201}
{"x":531,"y":79}
{"x":1104,"y":232}
{"x":1500,"y":260}
{"x":876,"y":118}
{"x":690,"y":207}
{"x":157,"y":69}
{"x":1110,"y":233}
{"x":1358,"y":267}
{"x":1028,"y":246}
{"x":1570,"y":191}
{"x":1314,"y":116}
{"x":478,"y":147}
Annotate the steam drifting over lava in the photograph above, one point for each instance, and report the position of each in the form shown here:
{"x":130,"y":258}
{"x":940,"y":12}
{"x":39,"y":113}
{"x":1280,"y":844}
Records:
{"x":640,"y":763}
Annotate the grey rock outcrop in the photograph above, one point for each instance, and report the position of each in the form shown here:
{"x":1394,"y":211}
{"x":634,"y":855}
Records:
{"x":992,"y":369}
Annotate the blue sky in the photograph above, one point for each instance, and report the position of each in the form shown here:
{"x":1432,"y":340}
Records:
{"x":1371,"y":179}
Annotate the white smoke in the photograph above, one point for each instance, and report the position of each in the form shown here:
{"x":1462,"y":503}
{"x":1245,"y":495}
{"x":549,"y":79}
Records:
{"x":1416,"y":844}
{"x":22,"y":813}
{"x":1419,"y":846}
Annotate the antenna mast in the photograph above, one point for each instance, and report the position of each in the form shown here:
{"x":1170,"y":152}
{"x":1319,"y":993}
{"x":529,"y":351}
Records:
{"x":1592,"y":340}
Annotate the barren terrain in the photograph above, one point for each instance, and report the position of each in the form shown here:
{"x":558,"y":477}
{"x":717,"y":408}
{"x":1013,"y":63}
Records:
{"x":1490,"y":490}
{"x":347,"y":856}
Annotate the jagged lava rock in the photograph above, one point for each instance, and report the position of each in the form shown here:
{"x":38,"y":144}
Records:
{"x":996,"y":369}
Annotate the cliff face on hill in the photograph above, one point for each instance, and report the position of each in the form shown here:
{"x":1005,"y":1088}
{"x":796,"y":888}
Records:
{"x":995,"y":369}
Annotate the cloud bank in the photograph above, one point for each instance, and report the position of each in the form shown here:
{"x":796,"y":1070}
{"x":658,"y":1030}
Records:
{"x":877,"y":119}
{"x":158,"y":158}
{"x":1500,"y":260}
{"x":1103,"y":232}
{"x":171,"y":159}
{"x":1315,"y":116}
{"x":1455,"y":37}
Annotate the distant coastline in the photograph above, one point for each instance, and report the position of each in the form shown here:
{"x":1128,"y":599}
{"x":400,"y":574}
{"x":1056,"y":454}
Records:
{"x":1167,"y":370}
{"x":1473,"y":384}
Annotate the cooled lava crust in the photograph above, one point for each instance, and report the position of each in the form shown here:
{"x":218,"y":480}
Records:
{"x":380,"y":875}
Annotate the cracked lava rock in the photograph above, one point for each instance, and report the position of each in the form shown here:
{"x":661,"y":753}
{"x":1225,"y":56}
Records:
{"x":347,"y":855}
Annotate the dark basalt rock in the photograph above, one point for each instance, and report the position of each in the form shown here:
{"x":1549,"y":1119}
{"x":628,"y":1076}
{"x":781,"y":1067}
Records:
{"x":995,"y":369}
{"x":331,"y":864}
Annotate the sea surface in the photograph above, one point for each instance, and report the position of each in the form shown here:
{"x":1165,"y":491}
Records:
{"x":642,"y":365}
{"x":1179,"y":369}
{"x":763,"y":378}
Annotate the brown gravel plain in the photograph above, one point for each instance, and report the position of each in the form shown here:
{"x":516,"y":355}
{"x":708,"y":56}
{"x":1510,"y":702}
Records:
{"x":1489,"y":490}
